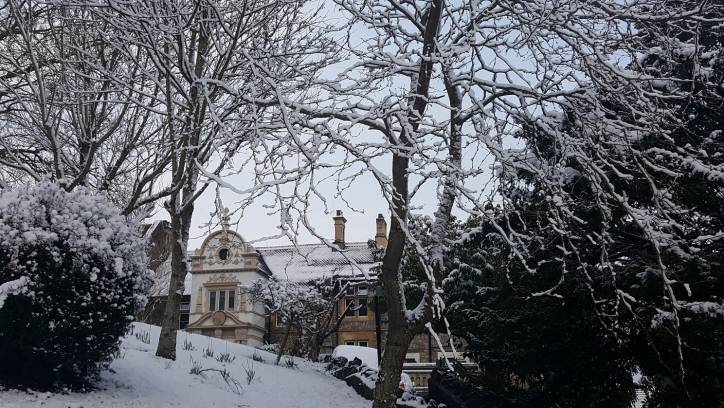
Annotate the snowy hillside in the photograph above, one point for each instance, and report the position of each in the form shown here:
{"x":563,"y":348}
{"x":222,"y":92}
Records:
{"x":139,"y":379}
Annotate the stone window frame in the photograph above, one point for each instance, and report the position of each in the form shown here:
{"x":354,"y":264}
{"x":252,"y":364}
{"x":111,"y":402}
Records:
{"x":412,"y":356}
{"x":231,"y":303}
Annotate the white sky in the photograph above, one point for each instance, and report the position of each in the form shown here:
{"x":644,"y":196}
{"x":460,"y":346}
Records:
{"x":361,"y":203}
{"x":257,"y":222}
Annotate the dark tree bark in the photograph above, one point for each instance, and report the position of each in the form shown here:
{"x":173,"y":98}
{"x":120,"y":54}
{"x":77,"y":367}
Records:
{"x":180,"y":227}
{"x":287,"y":334}
{"x":400,"y":329}
{"x":315,"y":343}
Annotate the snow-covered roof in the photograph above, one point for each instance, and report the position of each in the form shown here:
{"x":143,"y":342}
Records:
{"x":308,"y":262}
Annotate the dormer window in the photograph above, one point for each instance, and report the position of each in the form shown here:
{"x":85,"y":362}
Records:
{"x":224,"y":254}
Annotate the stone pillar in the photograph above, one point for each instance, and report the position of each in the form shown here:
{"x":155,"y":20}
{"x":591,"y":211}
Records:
{"x":200,"y":301}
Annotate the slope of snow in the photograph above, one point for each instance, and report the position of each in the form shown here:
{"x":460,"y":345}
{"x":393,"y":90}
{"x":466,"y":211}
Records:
{"x":139,"y":379}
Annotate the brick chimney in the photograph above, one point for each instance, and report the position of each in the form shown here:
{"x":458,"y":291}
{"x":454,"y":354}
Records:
{"x":339,"y":222}
{"x":381,"y":234}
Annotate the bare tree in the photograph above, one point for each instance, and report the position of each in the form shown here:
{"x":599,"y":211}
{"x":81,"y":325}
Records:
{"x":440,"y":89}
{"x":73,"y":108}
{"x":308,"y":311}
{"x":204,"y":56}
{"x":127,"y":97}
{"x":327,"y":319}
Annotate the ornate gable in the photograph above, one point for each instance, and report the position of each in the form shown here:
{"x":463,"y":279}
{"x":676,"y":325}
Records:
{"x":224,"y":250}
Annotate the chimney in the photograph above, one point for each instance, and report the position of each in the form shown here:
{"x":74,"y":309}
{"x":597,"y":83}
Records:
{"x":381,"y":234}
{"x":339,"y":222}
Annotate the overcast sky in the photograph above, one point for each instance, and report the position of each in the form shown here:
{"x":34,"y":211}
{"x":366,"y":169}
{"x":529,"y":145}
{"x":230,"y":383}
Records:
{"x":361,"y":202}
{"x":257,"y":222}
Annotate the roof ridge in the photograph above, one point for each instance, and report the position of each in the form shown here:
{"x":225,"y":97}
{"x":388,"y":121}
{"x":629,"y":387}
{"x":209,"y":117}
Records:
{"x":321,"y":244}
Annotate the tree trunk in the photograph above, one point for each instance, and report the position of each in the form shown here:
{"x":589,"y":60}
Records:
{"x":400,"y":328}
{"x":387,"y":389}
{"x":314,"y":348}
{"x":317,"y":341}
{"x":180,"y":226}
{"x":284,"y":341}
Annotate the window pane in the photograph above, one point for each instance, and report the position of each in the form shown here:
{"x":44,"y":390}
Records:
{"x":350,"y":343}
{"x":185,"y":307}
{"x":232,"y":299}
{"x":212,"y":300}
{"x":350,"y":290}
{"x":183,"y":320}
{"x":222,"y":299}
{"x":362,"y":307}
{"x":349,"y":304}
{"x":363,"y":343}
{"x":362,"y":290}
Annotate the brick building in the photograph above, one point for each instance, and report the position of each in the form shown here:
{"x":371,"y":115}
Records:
{"x":215,"y":303}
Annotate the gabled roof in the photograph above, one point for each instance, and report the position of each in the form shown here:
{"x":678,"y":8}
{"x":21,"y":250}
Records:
{"x":304,"y":263}
{"x":229,"y":236}
{"x":298,"y":263}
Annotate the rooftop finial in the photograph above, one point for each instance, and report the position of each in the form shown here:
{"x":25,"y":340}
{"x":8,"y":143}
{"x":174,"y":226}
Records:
{"x":225,"y":218}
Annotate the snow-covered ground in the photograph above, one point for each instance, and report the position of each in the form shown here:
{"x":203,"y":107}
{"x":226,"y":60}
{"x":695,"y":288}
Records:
{"x":139,"y":379}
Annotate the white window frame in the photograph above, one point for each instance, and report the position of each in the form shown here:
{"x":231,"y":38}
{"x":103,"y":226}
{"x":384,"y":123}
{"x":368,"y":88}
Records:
{"x":413,"y":356}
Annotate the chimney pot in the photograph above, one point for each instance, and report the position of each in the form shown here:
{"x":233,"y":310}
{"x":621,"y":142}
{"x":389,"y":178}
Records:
{"x":339,"y":224}
{"x":381,"y":234}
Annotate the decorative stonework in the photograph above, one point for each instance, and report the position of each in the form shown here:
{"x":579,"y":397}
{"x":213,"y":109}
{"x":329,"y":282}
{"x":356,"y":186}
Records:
{"x":218,"y":318}
{"x":225,"y":263}
{"x":222,"y":279}
{"x":231,"y":243}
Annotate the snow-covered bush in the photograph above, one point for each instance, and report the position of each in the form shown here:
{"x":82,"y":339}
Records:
{"x":83,"y":272}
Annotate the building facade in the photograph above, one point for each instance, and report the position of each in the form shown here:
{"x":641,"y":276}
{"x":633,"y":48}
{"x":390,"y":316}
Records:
{"x":216,"y":302}
{"x":221,"y":272}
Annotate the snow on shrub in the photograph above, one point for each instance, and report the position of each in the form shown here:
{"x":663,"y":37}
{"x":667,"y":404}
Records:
{"x":12,"y":288}
{"x":73,"y":273}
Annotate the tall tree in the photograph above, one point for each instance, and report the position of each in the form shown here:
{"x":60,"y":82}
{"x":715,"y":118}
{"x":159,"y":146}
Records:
{"x":73,"y":108}
{"x":545,"y":350}
{"x":208,"y":60}
{"x":618,"y":194}
{"x":439,"y":90}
